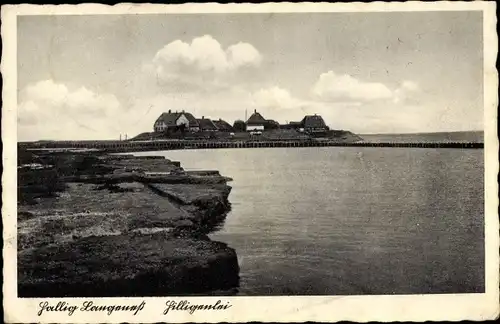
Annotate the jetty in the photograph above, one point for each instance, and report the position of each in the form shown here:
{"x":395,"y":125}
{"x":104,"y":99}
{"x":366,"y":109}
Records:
{"x":164,"y":145}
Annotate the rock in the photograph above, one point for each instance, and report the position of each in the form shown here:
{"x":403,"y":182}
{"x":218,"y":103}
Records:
{"x":110,"y":231}
{"x":183,"y":223}
{"x":192,"y":193}
{"x":204,"y":173}
{"x":24,"y":215}
{"x":116,"y":188}
{"x":127,"y":265}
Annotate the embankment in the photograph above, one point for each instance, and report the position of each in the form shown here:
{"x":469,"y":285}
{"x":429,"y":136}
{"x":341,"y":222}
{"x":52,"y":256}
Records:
{"x":93,"y":224}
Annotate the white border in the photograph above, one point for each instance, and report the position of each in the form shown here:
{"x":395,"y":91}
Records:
{"x":452,"y":307}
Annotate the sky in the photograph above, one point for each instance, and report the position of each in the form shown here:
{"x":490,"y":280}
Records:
{"x":102,"y":76}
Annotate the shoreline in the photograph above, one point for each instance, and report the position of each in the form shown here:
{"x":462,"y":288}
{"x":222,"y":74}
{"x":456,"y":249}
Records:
{"x":94,"y":224}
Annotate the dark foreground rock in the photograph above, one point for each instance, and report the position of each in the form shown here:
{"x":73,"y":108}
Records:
{"x":127,"y":265}
{"x":116,"y":225}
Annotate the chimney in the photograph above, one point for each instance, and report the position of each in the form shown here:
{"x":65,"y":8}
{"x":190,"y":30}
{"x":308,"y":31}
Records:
{"x":182,"y":110}
{"x":255,"y":111}
{"x":169,"y":111}
{"x":202,"y":117}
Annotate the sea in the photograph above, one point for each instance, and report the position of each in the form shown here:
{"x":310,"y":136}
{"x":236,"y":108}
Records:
{"x":351,"y":220}
{"x":443,"y":137}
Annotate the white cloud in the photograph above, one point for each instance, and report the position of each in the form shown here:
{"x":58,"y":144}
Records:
{"x":406,"y":93}
{"x":279,"y":104}
{"x":334,"y":87}
{"x":409,"y":85}
{"x":50,"y":97}
{"x":51,"y":110}
{"x":275,"y":98}
{"x":243,"y":54}
{"x":380,"y":114}
{"x":201,"y":61}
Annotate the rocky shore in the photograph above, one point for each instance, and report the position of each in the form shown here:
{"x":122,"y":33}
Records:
{"x":94,"y":224}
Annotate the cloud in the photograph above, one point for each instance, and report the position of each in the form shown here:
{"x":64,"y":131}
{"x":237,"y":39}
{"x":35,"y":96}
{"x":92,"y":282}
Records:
{"x":275,"y":98}
{"x":379,"y":114}
{"x":52,"y":110}
{"x":334,"y":87}
{"x":410,"y":85}
{"x":202,"y":61}
{"x":242,"y":55}
{"x":50,"y":97}
{"x":406,"y":93}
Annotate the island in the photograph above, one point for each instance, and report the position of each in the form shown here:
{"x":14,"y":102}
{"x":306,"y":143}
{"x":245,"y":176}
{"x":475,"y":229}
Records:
{"x":176,"y":130}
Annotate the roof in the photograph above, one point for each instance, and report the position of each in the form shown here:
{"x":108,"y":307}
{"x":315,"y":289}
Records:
{"x":313,"y":121}
{"x":170,"y":118}
{"x":223,"y":125}
{"x":192,"y":119}
{"x":256,"y":119}
{"x":206,"y":124}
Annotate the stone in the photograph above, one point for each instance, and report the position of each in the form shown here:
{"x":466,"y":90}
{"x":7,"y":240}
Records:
{"x":127,"y":265}
{"x":108,"y":231}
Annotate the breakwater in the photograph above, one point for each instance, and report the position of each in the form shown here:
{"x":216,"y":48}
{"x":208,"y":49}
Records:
{"x":136,"y":146}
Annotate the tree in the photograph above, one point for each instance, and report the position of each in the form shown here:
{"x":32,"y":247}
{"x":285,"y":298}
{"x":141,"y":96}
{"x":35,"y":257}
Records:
{"x":271,"y":124}
{"x":239,"y":126}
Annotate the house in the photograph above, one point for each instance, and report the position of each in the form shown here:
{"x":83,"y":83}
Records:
{"x":313,"y":124}
{"x":175,"y":121}
{"x":207,"y":125}
{"x":194,"y":126}
{"x":256,"y":122}
{"x":223,"y":126}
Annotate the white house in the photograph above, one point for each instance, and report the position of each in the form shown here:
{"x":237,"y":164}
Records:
{"x":175,"y":120}
{"x":256,"y":122}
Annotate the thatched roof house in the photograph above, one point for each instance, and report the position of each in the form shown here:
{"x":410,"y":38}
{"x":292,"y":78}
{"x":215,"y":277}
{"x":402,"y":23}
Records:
{"x":223,"y":126}
{"x":170,"y":120}
{"x":258,"y":122}
{"x":207,"y":125}
{"x":314,"y":123}
{"x":256,"y":119}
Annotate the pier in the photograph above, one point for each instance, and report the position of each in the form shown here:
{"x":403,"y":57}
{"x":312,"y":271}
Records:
{"x":135,"y":146}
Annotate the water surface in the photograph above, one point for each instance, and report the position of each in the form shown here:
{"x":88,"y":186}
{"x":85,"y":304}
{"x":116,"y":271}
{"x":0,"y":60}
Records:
{"x":445,"y":137}
{"x":352,"y":220}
